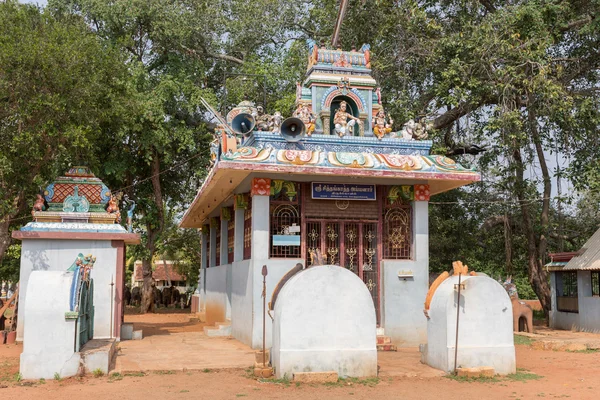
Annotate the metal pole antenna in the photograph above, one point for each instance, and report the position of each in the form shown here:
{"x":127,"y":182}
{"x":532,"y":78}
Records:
{"x":457,"y":319}
{"x":264,"y":296}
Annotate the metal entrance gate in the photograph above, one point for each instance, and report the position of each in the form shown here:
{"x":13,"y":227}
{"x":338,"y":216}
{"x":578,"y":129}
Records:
{"x":85,"y":320}
{"x":350,"y":244}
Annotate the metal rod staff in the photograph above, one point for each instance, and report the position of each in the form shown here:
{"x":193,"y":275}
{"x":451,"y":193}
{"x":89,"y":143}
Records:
{"x":457,"y":320}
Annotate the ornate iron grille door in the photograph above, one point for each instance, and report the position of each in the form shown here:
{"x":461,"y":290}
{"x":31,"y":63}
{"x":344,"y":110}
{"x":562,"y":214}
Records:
{"x":86,"y":313}
{"x":351,"y":244}
{"x":351,"y":247}
{"x":313,"y":240}
{"x":370,"y":263}
{"x":332,"y":243}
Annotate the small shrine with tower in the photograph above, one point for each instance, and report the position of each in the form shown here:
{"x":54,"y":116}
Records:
{"x":334,"y":181}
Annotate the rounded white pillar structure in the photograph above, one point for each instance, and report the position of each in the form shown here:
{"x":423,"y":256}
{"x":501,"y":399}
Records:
{"x":325,"y":321}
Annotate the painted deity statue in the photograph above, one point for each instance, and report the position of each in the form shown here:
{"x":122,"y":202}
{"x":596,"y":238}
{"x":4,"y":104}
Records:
{"x":381,"y":125}
{"x":276,"y":122}
{"x":304,"y":114}
{"x":342,"y":125}
{"x":113,"y":208}
{"x":264,"y":122}
{"x":38,"y":205}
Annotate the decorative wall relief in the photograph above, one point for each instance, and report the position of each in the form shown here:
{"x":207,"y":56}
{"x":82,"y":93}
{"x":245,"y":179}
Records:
{"x":261,"y":187}
{"x":422,"y":193}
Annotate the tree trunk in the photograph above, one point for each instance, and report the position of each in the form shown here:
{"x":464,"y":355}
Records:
{"x":538,"y":277}
{"x":147,"y":304}
{"x":153,"y":234}
{"x":5,"y":239}
{"x":4,"y":236}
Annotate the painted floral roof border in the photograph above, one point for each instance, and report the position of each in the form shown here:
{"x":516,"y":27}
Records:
{"x":354,"y":160}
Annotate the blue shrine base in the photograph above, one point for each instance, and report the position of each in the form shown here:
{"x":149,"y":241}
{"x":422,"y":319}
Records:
{"x":335,"y":143}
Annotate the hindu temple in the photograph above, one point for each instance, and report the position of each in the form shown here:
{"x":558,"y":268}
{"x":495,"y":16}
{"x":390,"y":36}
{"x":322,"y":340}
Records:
{"x":334,"y":180}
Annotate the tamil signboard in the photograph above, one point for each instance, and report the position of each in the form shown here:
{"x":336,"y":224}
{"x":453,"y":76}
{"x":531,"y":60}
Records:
{"x":342,"y":191}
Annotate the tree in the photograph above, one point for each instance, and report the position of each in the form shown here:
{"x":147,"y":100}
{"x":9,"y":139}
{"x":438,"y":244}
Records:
{"x":519,"y":78}
{"x":163,"y":139}
{"x":59,"y":87}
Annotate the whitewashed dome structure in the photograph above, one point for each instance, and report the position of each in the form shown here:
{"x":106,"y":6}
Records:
{"x":485,"y":334}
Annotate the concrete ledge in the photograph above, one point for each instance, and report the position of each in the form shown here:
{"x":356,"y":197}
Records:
{"x":478,"y":372}
{"x":127,"y":331}
{"x":97,"y":354}
{"x":316,"y":377}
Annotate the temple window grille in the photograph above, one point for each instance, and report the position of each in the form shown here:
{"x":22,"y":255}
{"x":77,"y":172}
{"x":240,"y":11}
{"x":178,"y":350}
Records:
{"x":596,"y":283}
{"x":566,"y":292}
{"x":313,"y":240}
{"x":248,"y":231}
{"x":218,"y":245}
{"x":397,"y":230}
{"x":230,"y":240}
{"x":285,"y":219}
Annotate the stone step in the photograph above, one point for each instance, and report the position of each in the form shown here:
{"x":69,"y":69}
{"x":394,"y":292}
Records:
{"x":386,"y":347}
{"x":384,"y":340}
{"x":220,"y":329}
{"x":258,"y":356}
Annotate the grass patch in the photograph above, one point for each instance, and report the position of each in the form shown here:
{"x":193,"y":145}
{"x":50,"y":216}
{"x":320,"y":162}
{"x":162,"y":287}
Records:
{"x":522,"y":375}
{"x":42,"y":381}
{"x":135,"y":374}
{"x":115,"y":376}
{"x":481,"y":379}
{"x":285,"y":381}
{"x":165,"y":372}
{"x":586,"y":351}
{"x":57,"y":377}
{"x":341,"y":382}
{"x":98,"y":373}
{"x":523,"y":340}
{"x":184,"y":391}
{"x":241,"y":395}
{"x":207,"y":370}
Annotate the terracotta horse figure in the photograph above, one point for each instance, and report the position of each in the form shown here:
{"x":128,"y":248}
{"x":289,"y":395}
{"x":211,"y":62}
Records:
{"x":522,"y":312}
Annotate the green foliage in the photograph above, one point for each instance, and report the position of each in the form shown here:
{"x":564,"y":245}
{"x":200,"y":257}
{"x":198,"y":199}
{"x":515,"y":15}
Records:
{"x":57,"y":377}
{"x":59,"y":89}
{"x":120,"y":84}
{"x":523,"y":340}
{"x":98,"y":373}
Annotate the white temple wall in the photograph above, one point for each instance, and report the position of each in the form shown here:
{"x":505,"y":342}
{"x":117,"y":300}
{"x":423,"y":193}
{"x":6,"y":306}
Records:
{"x":277,"y":269}
{"x":241,"y":301}
{"x":58,"y":255}
{"x":403,"y":298}
{"x":216,"y":294}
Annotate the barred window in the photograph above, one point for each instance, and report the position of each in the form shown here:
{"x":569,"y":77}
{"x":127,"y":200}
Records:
{"x":566,"y":292}
{"x":285,"y":222}
{"x":397,"y":229}
{"x":596,"y":283}
{"x":248,"y":231}
{"x":566,"y":284}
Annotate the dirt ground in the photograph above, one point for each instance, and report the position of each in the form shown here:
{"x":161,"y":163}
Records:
{"x":542,"y":374}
